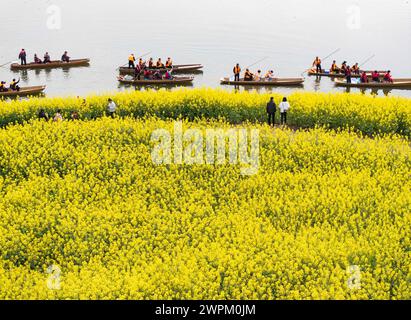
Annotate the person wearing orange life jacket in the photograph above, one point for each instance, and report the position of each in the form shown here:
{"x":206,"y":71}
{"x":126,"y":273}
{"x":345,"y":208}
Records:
{"x":131,"y":61}
{"x":150,"y":63}
{"x":317,"y":65}
{"x":388,"y":77}
{"x":237,"y":71}
{"x":141,"y":63}
{"x":169,"y":63}
{"x":355,"y":69}
{"x":334,"y":68}
{"x":159,"y":64}
{"x":364,"y":78}
{"x":248,"y":76}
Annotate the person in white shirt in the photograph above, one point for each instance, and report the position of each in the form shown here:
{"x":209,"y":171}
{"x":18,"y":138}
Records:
{"x":111,"y":108}
{"x":284,"y":107}
{"x":58,"y":117}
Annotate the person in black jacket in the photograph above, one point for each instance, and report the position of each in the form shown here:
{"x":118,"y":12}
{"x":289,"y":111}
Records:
{"x":271,"y":110}
{"x":22,"y":57}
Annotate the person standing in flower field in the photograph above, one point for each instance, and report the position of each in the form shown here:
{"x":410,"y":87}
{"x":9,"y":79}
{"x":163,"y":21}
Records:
{"x":111,"y":108}
{"x":284,"y":107}
{"x":271,"y":110}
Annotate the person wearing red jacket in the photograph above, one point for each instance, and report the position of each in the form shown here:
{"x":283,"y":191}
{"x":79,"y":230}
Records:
{"x":388,"y":77}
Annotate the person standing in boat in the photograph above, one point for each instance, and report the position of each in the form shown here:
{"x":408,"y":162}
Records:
{"x":23,"y":57}
{"x":131,"y":61}
{"x":169,"y":63}
{"x":14,"y":85}
{"x":65,"y":57}
{"x":237,"y":71}
{"x":317,"y":65}
{"x":37,"y":59}
{"x":47,"y":58}
{"x":137,"y":72}
{"x":284,"y":107}
{"x":348,"y":74}
{"x":271,"y":110}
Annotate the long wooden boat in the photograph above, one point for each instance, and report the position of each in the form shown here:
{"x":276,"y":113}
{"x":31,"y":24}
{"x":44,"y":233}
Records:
{"x":51,"y":65}
{"x":24,"y":91}
{"x":178,"y":68}
{"x":397,"y":83}
{"x":273,"y":82}
{"x":326,"y":73}
{"x":174,"y":81}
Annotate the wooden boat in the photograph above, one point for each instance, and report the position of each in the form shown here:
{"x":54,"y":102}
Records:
{"x":397,"y":83}
{"x":273,"y":82}
{"x":24,"y":91}
{"x":142,"y":82}
{"x":51,"y":65}
{"x":326,"y":73}
{"x":178,"y":68}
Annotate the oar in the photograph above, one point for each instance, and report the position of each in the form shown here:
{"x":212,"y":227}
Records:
{"x":13,"y":61}
{"x":137,"y":58}
{"x":253,"y":64}
{"x":361,"y":64}
{"x":323,"y":59}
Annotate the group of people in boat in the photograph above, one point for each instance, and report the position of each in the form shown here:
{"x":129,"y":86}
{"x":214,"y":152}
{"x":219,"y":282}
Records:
{"x":250,"y":76}
{"x":151,"y":70}
{"x":349,"y":71}
{"x":46,"y":58}
{"x":13,"y":86}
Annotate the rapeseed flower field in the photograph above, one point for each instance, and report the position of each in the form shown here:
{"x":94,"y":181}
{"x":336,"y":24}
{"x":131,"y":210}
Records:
{"x":84,"y":198}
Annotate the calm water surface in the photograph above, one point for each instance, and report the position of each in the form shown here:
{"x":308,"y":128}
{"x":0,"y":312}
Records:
{"x":216,"y":33}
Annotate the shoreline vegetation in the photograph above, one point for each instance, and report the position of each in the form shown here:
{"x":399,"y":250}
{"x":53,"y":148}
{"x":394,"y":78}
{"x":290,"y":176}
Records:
{"x":365,"y":114}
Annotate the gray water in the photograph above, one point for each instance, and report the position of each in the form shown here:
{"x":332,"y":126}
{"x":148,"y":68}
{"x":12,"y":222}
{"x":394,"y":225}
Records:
{"x":216,"y":33}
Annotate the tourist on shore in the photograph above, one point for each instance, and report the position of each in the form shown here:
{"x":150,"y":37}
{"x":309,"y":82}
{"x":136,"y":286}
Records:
{"x":284,"y":107}
{"x":237,"y":71}
{"x":22,"y":57}
{"x":111,"y":108}
{"x":74,"y":115}
{"x":58,"y":116}
{"x":271,"y":110}
{"x":43,"y":115}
